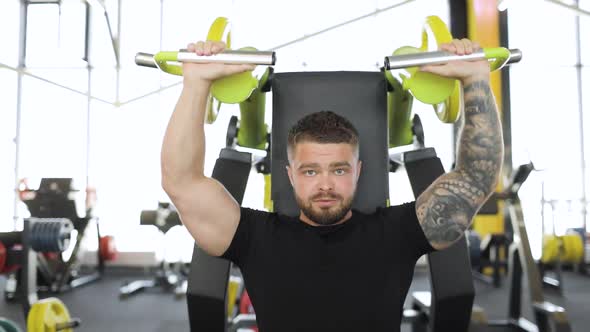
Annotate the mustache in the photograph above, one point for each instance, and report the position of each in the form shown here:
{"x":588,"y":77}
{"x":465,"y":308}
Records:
{"x":322,"y":196}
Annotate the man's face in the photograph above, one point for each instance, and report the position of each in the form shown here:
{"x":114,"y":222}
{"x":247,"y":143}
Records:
{"x":324,"y":178}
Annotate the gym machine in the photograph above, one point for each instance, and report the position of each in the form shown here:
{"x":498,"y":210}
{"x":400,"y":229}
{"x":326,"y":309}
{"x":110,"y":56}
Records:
{"x":169,"y":277}
{"x":20,"y":251}
{"x":55,"y":199}
{"x":387,"y":110}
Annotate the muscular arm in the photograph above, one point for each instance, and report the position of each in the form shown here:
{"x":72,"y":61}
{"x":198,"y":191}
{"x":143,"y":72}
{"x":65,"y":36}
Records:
{"x":446,"y":208}
{"x":207,"y":210}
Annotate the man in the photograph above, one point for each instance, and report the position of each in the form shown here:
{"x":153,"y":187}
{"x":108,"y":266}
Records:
{"x":332,"y":268}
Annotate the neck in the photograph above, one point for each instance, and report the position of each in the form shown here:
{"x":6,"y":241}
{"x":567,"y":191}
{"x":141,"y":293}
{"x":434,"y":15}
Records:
{"x":308,"y":221}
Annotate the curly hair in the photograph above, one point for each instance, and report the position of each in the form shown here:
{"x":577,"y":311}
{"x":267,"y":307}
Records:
{"x":322,"y":127}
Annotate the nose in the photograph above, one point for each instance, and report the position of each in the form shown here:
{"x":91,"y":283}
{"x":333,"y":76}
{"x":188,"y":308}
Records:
{"x":326,"y":183}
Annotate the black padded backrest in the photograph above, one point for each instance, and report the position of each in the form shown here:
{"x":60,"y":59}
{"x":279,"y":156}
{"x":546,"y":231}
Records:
{"x":450,"y":271}
{"x":208,"y":277}
{"x":358,"y":96}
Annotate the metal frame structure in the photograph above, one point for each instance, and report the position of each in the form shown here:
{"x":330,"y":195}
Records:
{"x":579,"y":66}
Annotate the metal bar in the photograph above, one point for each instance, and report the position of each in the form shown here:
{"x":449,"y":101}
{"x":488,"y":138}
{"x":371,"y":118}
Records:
{"x":230,"y":56}
{"x":114,"y":41}
{"x":574,"y":8}
{"x":147,"y":94}
{"x":506,"y":101}
{"x":526,"y":258}
{"x":515,"y":283}
{"x":227,"y":56}
{"x":43,"y":2}
{"x":118,"y":66}
{"x":24,"y":73}
{"x":161,"y":41}
{"x":28,"y":273}
{"x":439,"y":57}
{"x":86,"y":32}
{"x":145,"y":60}
{"x":22,"y":53}
{"x":87,"y":46}
{"x":113,"y":103}
{"x":581,"y":126}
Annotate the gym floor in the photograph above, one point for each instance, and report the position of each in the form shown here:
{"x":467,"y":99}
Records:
{"x":100,"y":309}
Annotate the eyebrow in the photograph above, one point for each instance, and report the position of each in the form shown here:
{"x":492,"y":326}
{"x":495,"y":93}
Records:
{"x":332,"y":165}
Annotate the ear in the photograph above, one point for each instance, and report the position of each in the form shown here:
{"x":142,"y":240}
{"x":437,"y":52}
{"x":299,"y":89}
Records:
{"x":290,"y":174}
{"x":359,"y":167}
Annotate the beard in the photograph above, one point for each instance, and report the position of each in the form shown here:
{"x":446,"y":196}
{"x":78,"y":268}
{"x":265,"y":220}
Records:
{"x":328,"y":215}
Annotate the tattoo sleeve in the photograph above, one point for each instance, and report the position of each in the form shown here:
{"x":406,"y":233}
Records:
{"x":446,"y":208}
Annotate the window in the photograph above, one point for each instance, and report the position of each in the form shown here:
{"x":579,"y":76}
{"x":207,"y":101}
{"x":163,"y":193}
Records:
{"x":55,"y":35}
{"x":545,"y":110}
{"x":53,"y":131}
{"x":585,"y":33}
{"x":528,"y":29}
{"x":9,"y":25}
{"x":8,"y":86}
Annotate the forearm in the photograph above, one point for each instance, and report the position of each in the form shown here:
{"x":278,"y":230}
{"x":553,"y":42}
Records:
{"x":183,"y":148}
{"x":480,"y":149}
{"x":446,"y":209}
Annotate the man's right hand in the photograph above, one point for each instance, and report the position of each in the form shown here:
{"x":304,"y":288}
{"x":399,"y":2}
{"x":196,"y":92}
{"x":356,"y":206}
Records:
{"x":206,"y":73}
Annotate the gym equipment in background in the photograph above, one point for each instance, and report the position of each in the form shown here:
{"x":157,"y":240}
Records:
{"x":487,"y":255}
{"x":560,"y":252}
{"x":6,"y":325}
{"x":55,"y":198}
{"x":20,"y":251}
{"x":548,"y":317}
{"x":171,"y":277}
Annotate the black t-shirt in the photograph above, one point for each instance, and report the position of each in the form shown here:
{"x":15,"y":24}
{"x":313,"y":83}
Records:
{"x":348,"y":277}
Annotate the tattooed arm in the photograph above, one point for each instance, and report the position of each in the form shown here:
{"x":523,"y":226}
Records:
{"x":447,"y":207}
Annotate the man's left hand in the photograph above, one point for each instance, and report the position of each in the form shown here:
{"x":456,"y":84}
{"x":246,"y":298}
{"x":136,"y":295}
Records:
{"x":465,"y":71}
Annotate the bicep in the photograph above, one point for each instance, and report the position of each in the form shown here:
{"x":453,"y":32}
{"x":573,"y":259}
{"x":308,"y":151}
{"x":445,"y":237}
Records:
{"x":445,"y":209}
{"x":209,"y":212}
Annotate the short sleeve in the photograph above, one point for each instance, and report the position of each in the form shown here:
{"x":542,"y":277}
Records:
{"x":413,"y":235}
{"x":251,"y":221}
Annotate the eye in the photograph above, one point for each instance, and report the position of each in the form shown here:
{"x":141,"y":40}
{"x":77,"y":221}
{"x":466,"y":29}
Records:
{"x":340,"y":171}
{"x":309,"y":172}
